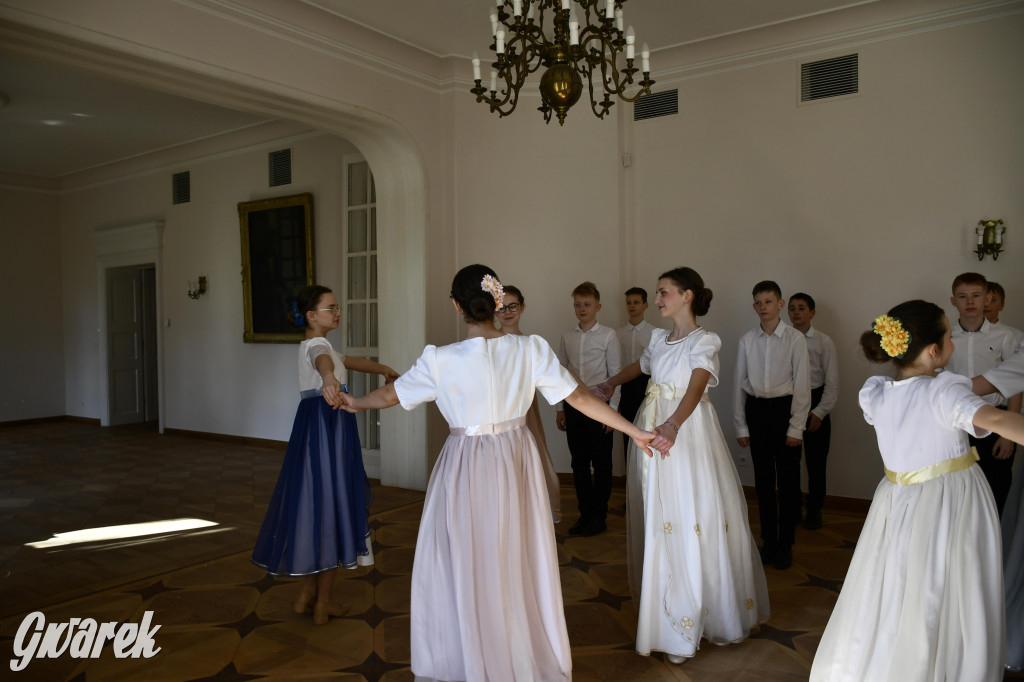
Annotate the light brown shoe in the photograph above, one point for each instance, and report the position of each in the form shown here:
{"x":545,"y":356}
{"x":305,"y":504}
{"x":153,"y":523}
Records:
{"x":324,"y":611}
{"x":304,"y":600}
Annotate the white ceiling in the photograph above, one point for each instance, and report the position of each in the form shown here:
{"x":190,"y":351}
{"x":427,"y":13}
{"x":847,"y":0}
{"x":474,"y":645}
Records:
{"x":59,"y":120}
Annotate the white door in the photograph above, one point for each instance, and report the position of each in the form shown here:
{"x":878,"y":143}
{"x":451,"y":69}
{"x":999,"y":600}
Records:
{"x":125,"y":358}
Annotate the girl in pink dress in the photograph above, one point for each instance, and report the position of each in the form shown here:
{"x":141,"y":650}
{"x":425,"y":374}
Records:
{"x":486,"y":601}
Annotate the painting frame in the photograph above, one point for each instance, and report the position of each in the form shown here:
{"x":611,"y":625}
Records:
{"x":277,"y":262}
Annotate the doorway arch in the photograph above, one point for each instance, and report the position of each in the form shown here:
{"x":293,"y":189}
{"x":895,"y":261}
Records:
{"x":399,"y":172}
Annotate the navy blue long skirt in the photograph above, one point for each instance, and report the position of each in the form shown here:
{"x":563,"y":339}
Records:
{"x":318,"y":517}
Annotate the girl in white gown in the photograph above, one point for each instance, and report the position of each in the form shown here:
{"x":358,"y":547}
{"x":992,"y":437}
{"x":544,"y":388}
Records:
{"x":486,"y":601}
{"x":923,"y":598}
{"x":694,"y":568}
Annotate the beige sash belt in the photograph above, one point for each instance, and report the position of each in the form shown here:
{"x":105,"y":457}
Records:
{"x":947,"y":466}
{"x":488,"y":429}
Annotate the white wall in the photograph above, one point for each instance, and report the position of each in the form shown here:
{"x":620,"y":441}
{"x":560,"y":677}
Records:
{"x":213,"y":382}
{"x":31,"y":306}
{"x":862,"y":202}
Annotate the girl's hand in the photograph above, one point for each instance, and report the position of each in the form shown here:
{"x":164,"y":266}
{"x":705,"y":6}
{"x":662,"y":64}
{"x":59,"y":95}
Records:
{"x":389,"y":375}
{"x":664,"y":439}
{"x":348,"y":403}
{"x":605,"y":390}
{"x":331,"y":391}
{"x":643,"y":441}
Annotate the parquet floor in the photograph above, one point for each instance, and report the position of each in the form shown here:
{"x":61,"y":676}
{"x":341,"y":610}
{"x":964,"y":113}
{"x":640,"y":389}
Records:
{"x":223,"y":619}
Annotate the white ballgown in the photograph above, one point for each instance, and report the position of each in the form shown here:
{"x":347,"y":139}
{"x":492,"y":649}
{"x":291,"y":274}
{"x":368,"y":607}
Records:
{"x":923,"y":598}
{"x":1013,"y":570}
{"x":486,"y":601}
{"x":693,"y":565}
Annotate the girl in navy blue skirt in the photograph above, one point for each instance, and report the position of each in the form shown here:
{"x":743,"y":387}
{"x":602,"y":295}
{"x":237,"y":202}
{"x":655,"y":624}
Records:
{"x":318,"y":516}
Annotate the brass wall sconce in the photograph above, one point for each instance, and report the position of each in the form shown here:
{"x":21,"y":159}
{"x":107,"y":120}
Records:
{"x":197,"y":289}
{"x":990,"y":238}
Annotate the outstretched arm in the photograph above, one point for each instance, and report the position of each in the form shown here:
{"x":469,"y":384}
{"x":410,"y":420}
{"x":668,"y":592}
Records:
{"x":383,"y":397}
{"x":595,"y":408}
{"x":1003,"y":422}
{"x":368,"y":366}
{"x":628,"y":373}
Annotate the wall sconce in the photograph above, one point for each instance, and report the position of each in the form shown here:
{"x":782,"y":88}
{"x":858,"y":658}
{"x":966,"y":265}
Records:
{"x":990,"y":238}
{"x":197,"y":289}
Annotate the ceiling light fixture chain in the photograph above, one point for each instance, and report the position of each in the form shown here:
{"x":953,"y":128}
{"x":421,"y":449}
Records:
{"x":571,"y":54}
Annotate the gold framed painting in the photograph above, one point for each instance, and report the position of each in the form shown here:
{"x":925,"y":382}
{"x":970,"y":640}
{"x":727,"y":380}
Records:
{"x":277,"y":262}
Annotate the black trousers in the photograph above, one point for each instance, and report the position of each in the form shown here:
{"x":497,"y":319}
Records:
{"x":775,"y":463}
{"x":998,"y":472}
{"x":630,"y":399}
{"x":816,"y":444}
{"x":590,"y":448}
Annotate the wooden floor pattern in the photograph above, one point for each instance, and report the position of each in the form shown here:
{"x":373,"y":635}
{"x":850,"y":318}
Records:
{"x":223,"y":619}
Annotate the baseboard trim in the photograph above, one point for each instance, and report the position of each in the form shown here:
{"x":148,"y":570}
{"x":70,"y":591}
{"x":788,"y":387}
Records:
{"x":50,"y":420}
{"x":227,"y":438}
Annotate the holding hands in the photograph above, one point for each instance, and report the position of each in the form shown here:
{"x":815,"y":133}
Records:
{"x":603,"y":390}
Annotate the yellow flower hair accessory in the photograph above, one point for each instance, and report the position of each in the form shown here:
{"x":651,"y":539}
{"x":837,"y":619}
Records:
{"x":490,"y":284}
{"x":895,"y":339}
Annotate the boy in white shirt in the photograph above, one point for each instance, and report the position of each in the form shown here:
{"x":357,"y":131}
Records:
{"x":771,"y":399}
{"x":634,"y":337}
{"x":994,"y":305}
{"x":979,"y":346}
{"x":823,"y":369}
{"x":591,"y":352}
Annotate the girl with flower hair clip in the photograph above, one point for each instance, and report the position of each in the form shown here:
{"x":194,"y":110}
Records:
{"x":923,"y":598}
{"x":486,"y":598}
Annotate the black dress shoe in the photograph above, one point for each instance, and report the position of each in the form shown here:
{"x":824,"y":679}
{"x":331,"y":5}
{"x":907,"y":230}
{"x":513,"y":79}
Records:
{"x":767,"y":554}
{"x":783,"y":558}
{"x":813,"y":520}
{"x":577,"y":528}
{"x":595,"y":527}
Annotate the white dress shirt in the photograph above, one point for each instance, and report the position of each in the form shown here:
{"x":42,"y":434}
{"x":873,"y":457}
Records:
{"x":593,"y":355}
{"x":977,"y":352}
{"x":823,"y":370}
{"x":771,"y":366}
{"x":1018,"y":335}
{"x":1009,"y":376}
{"x":633,"y":340}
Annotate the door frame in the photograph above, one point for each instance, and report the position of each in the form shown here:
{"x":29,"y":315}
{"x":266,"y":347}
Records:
{"x":140,"y":245}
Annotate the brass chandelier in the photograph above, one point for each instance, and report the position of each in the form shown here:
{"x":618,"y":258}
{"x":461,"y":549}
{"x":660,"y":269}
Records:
{"x":571,"y":53}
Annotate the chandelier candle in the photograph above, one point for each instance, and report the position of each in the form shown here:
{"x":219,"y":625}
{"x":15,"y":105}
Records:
{"x":571,"y":51}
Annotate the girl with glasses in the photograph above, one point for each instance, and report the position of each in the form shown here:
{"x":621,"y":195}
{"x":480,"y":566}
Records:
{"x":508,"y":316}
{"x":318,"y":516}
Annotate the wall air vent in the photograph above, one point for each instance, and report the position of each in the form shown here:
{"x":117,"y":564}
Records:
{"x":181,"y":188}
{"x":829,"y":78}
{"x":280,"y":165}
{"x":656,"y":104}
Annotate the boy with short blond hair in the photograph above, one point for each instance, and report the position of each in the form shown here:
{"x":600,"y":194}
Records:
{"x":771,"y":399}
{"x":591,"y":352}
{"x":979,"y":346}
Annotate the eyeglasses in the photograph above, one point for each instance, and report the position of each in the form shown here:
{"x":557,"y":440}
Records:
{"x":510,"y":308}
{"x":330,"y":309}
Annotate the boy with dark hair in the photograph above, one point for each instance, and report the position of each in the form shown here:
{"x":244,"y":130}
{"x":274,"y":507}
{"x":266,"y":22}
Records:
{"x":823,"y":370}
{"x":979,"y":346}
{"x":771,"y":399}
{"x":994,"y":304}
{"x":591,"y":352}
{"x":633,"y":338}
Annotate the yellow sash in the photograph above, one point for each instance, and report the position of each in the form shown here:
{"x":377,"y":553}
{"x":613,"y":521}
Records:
{"x":649,"y":410}
{"x":947,"y":466}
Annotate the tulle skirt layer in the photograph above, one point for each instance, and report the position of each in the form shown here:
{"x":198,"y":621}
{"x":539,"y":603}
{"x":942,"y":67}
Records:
{"x":923,"y":598}
{"x":318,"y":516}
{"x":486,"y":602}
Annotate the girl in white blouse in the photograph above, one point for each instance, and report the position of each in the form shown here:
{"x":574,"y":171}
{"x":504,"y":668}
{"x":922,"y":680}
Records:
{"x":923,"y":598}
